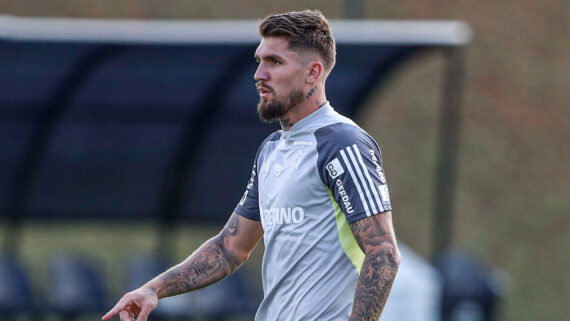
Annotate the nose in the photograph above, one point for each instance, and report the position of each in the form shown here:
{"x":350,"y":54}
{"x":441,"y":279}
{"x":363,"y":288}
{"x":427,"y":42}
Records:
{"x":261,"y":73}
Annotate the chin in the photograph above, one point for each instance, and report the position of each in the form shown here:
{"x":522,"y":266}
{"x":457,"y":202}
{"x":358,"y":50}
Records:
{"x":266,"y":114}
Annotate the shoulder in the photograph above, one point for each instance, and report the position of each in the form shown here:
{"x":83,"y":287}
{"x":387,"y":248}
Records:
{"x":272,"y":137}
{"x":342,"y":134}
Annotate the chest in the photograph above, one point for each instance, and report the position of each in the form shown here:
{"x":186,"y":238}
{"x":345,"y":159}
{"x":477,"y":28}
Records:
{"x":286,"y":171}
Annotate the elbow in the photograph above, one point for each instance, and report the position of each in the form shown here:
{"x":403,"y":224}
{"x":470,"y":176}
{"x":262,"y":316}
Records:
{"x":241,"y":256}
{"x":392,"y":255}
{"x":232,"y":252}
{"x":397,"y":258}
{"x":387,"y":253}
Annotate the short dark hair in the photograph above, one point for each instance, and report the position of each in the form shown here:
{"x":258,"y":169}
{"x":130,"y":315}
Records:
{"x":306,"y":30}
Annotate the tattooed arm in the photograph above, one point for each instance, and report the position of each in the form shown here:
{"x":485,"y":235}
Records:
{"x":375,"y":236}
{"x":213,"y":261}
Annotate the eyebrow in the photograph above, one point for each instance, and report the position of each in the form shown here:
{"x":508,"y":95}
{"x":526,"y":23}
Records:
{"x":268,"y":57}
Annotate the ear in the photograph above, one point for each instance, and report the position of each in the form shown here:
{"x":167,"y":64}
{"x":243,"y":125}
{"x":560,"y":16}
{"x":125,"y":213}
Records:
{"x":315,"y":72}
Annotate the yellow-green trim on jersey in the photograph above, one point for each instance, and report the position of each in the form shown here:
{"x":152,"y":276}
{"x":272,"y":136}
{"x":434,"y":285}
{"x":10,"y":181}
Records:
{"x":347,"y":240}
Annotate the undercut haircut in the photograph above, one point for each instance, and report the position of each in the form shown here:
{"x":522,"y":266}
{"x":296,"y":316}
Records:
{"x":306,"y":30}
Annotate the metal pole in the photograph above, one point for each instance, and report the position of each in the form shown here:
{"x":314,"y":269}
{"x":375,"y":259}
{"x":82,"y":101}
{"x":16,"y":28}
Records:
{"x":447,"y":159}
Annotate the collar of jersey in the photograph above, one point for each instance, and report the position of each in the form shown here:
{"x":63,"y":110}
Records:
{"x":301,"y":124}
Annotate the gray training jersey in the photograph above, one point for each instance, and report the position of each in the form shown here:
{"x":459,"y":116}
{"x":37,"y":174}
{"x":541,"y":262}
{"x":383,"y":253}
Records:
{"x":307,"y":185}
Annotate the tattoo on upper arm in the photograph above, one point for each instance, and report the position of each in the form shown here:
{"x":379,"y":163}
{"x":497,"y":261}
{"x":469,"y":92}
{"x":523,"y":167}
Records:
{"x":370,"y":232}
{"x":209,"y":264}
{"x":378,"y":270}
{"x":232,"y":226}
{"x":357,"y":228}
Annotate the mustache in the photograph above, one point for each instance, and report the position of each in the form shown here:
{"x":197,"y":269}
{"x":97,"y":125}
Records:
{"x":262,"y":84}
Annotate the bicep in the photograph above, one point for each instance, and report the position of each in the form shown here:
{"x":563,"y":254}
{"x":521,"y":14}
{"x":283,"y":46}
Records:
{"x":241,"y":234}
{"x":375,"y":234}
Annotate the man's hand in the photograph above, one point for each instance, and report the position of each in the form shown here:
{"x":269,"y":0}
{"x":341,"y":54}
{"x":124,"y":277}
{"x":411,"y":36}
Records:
{"x":213,"y":261}
{"x":138,"y":303}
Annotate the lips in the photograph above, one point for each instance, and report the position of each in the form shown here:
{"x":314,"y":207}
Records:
{"x":264,"y":91}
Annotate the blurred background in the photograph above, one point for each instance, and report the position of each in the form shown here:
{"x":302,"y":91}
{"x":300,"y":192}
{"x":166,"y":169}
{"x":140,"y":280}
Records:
{"x":510,"y":209}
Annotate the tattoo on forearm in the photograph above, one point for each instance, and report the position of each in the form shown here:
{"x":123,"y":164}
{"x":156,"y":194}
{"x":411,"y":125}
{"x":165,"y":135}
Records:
{"x":377,"y":273}
{"x":209,"y":264}
{"x":286,"y":123}
{"x":311,"y":92}
{"x":232,"y":225}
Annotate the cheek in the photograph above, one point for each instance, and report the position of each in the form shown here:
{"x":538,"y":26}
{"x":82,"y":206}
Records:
{"x":289,"y":81}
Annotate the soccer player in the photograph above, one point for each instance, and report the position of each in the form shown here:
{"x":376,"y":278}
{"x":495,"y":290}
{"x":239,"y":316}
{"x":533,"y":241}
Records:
{"x":317,"y":195}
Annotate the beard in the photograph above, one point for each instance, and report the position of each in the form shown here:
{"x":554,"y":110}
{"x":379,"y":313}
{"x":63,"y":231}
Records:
{"x":272,"y":111}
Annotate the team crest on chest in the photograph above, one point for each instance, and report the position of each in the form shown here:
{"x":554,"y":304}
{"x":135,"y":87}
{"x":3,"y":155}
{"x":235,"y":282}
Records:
{"x":290,"y":163}
{"x":264,"y":169}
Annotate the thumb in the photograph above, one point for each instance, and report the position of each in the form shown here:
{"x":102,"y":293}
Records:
{"x":145,"y":311}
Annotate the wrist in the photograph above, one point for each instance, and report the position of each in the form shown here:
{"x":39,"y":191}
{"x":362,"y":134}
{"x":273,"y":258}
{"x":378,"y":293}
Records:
{"x":152,"y":288}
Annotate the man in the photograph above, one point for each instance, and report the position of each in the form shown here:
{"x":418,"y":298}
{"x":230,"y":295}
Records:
{"x":317,"y":195}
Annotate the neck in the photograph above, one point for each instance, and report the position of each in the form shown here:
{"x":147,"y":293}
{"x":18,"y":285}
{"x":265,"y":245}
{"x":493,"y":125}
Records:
{"x":314,"y":98}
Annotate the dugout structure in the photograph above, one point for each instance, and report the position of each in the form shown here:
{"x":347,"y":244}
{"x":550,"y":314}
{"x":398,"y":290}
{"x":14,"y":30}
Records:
{"x":156,"y":119}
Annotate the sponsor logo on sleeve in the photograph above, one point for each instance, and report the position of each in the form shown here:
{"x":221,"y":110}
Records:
{"x":244,"y":197}
{"x":334,"y":168}
{"x":379,"y":169}
{"x":249,"y":185}
{"x":384,"y":193}
{"x":382,"y":177}
{"x":344,"y":197}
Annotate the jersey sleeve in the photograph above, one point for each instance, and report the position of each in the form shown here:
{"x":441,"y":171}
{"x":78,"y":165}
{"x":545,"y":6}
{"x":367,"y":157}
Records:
{"x":248,"y":206}
{"x":350,"y":165}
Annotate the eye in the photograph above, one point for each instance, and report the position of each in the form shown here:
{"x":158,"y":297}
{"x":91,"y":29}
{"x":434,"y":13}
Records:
{"x":275,"y":62}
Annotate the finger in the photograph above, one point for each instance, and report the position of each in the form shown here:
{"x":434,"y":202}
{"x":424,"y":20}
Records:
{"x":125,"y":316}
{"x":118,"y":307}
{"x":145,"y":311}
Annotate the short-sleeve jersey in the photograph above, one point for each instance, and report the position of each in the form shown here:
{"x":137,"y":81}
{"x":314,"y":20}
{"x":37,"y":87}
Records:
{"x":307,"y":185}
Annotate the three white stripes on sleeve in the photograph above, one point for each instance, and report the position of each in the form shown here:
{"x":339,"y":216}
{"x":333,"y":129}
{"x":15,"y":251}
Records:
{"x":362,"y":180}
